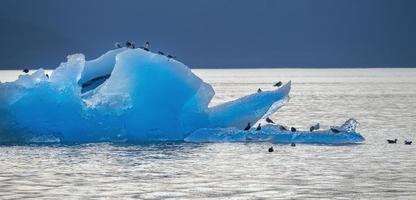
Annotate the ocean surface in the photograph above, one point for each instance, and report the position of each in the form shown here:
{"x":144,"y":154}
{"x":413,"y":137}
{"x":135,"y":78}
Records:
{"x":382,"y":100}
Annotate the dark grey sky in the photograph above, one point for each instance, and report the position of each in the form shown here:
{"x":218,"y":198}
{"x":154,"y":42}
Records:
{"x":214,"y":33}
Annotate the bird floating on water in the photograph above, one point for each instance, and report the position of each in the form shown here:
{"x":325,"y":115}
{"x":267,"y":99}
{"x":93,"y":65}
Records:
{"x":407,"y":142}
{"x":278,"y":84}
{"x":392,"y":141}
{"x":271,"y":149}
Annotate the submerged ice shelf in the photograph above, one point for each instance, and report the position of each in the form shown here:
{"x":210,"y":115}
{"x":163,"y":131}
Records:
{"x":133,"y":95}
{"x":345,"y":134}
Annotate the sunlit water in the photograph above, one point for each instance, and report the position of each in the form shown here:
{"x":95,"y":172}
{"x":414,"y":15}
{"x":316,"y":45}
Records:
{"x":382,"y":100}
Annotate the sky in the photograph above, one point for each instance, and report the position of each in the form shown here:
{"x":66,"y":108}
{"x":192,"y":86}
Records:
{"x":214,"y":33}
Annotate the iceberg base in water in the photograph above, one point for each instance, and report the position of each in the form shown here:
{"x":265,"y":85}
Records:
{"x":345,"y":134}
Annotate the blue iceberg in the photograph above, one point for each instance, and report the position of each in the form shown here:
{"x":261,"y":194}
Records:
{"x":345,"y":134}
{"x":124,"y":95}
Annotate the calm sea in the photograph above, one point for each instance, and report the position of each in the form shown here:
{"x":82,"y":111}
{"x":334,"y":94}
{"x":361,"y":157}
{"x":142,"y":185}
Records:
{"x":382,"y":100}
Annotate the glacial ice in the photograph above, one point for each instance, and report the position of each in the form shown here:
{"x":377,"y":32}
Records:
{"x":124,"y":95}
{"x":272,"y":133}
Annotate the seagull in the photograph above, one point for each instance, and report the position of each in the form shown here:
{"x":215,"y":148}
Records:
{"x":129,"y":44}
{"x":407,"y":142}
{"x":117,"y":45}
{"x":392,"y":141}
{"x":335,"y":130}
{"x":258,"y":127}
{"x":26,"y":71}
{"x":170,"y":56}
{"x":282,"y":128}
{"x":278,"y":84}
{"x":146,"y":46}
{"x":247,"y":127}
{"x":268,"y":120}
{"x":315,"y":127}
{"x":293,"y":129}
{"x":271,"y":149}
{"x":259,"y":90}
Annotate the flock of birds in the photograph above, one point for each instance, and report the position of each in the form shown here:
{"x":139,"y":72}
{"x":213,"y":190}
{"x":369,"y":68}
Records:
{"x":130,"y":45}
{"x":146,"y":47}
{"x":406,"y":142}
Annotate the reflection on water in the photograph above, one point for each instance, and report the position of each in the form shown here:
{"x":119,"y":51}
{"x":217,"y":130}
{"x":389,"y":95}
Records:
{"x":383,"y":101}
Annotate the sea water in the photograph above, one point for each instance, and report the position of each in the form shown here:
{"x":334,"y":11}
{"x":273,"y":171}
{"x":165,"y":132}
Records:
{"x":382,"y":100}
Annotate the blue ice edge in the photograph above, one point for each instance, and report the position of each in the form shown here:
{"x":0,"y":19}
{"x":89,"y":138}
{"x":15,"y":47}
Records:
{"x":273,"y":133}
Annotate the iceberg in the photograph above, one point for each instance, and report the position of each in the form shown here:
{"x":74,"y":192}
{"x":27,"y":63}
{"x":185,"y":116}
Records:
{"x":124,"y":95}
{"x":345,"y":134}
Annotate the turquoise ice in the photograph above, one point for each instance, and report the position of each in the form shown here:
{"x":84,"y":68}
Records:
{"x":124,"y":95}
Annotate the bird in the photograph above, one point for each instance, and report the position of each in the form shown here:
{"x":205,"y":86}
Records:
{"x":117,"y":45}
{"x":161,"y":53}
{"x":146,"y":46}
{"x":171,"y":56}
{"x":268,"y":120}
{"x":26,"y":71}
{"x":293,"y":129}
{"x":282,"y":128}
{"x":247,"y":127}
{"x":271,"y":149}
{"x":258,"y":127}
{"x":259,"y":90}
{"x":129,"y":44}
{"x":392,"y":141}
{"x":278,"y":84}
{"x":334,"y":130}
{"x":293,"y":144}
{"x":315,"y":127}
{"x":407,"y":142}
{"x":47,"y":75}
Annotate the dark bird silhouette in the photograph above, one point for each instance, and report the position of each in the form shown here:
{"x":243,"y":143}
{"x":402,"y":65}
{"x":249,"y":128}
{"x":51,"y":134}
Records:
{"x":161,"y":53}
{"x":282,"y":128}
{"x":117,"y":45}
{"x":259,"y":90}
{"x":334,"y":130}
{"x":311,"y":129}
{"x":392,"y":141}
{"x":407,"y":142}
{"x":316,"y":127}
{"x":26,"y":71}
{"x":278,"y":84}
{"x":268,"y":120}
{"x":271,"y":149}
{"x":293,"y":129}
{"x":146,"y":46}
{"x":258,"y":127}
{"x":171,"y":56}
{"x":129,"y":44}
{"x":293,"y":144}
{"x":247,"y":127}
{"x":47,"y":76}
